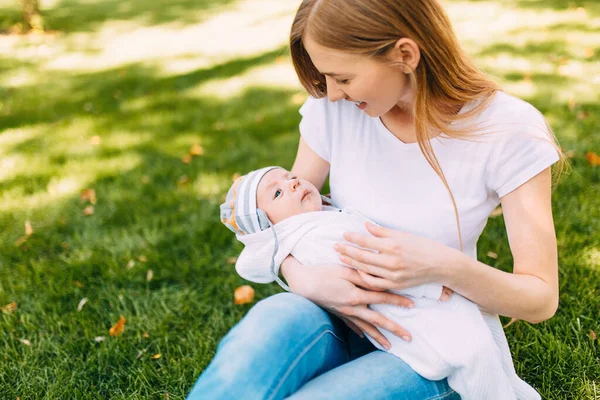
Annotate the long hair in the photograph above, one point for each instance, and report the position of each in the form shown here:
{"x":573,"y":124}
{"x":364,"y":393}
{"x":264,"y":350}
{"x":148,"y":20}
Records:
{"x":444,"y":80}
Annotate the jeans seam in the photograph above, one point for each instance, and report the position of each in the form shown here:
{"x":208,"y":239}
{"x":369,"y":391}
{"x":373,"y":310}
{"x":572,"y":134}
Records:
{"x":442,"y":395}
{"x":307,"y":348}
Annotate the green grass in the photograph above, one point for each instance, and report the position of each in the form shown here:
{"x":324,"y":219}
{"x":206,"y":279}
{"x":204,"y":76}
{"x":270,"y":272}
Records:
{"x":146,"y":117}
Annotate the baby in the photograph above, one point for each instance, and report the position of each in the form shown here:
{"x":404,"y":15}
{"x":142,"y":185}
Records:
{"x":276,"y":214}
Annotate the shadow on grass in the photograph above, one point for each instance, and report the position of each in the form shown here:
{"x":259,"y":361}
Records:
{"x":85,"y":16}
{"x":158,"y":207}
{"x":166,"y":210}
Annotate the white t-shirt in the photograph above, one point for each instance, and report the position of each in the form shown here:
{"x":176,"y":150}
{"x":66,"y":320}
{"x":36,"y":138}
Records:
{"x":391,"y":183}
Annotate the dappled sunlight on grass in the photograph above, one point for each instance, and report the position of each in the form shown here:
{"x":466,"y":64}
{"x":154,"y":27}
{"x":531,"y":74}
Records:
{"x":115,"y":101}
{"x":253,"y":27}
{"x":38,"y":187}
{"x":279,"y":74}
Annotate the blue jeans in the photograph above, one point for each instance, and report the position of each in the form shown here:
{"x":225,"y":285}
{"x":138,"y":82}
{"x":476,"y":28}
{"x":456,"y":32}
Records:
{"x":288,"y":347}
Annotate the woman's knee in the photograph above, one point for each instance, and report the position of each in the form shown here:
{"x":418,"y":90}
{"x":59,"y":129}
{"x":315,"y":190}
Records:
{"x":280,"y":317}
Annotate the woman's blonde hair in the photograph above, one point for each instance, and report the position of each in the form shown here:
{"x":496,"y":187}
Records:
{"x":444,"y":80}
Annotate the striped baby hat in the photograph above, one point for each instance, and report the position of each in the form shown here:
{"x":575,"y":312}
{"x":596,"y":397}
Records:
{"x":239,"y":212}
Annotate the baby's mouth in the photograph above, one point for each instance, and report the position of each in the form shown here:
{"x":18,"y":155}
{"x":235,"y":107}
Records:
{"x":306,"y":193}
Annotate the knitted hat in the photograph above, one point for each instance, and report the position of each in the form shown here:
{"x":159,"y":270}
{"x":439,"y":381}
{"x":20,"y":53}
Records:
{"x":239,"y":212}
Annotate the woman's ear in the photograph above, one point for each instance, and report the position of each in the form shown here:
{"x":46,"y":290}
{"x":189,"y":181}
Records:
{"x":407,"y":53}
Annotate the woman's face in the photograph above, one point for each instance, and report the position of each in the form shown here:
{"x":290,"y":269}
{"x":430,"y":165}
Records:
{"x":377,"y":85}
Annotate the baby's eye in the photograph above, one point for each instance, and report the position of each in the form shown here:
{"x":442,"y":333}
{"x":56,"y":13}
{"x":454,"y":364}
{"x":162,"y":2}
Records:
{"x":343,"y":81}
{"x":277,"y":193}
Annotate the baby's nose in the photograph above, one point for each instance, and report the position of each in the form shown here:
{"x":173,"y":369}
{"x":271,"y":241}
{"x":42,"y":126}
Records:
{"x":294,"y":183}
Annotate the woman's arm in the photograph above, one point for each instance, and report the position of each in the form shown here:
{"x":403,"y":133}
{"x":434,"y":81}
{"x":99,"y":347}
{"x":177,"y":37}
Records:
{"x":334,"y":287}
{"x":529,"y":293}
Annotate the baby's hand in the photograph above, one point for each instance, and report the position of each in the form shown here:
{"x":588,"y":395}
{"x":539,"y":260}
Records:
{"x":446,"y":293}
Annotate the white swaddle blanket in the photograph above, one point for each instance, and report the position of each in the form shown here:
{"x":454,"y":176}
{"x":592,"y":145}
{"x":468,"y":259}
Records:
{"x":451,"y":339}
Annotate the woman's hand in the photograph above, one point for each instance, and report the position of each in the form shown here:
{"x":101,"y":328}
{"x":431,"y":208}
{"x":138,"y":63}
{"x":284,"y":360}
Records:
{"x":338,"y":289}
{"x":401,"y":260}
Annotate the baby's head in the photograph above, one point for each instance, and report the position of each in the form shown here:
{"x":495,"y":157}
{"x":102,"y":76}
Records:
{"x":265,"y":197}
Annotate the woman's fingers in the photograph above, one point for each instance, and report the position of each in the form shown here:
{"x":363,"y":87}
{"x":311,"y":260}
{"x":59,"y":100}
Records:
{"x":376,"y":319}
{"x":376,"y":282}
{"x":367,"y":297}
{"x":353,"y":326}
{"x":446,"y":293}
{"x":366,"y":241}
{"x":354,"y":260}
{"x":372,"y":331}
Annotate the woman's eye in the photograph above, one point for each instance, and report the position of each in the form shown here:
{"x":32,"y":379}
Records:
{"x":277,"y":193}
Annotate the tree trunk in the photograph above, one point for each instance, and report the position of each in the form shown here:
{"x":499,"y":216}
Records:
{"x":31,"y":15}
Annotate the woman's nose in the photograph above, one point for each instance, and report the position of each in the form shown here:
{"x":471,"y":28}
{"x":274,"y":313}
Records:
{"x":334,"y":93}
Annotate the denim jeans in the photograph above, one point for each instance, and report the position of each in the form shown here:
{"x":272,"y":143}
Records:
{"x":288,"y":347}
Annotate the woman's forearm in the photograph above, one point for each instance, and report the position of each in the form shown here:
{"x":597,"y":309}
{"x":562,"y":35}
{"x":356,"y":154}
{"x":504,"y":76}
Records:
{"x":520,"y":296}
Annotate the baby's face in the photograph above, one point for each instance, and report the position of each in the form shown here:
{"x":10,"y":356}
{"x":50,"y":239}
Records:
{"x":281,"y":195}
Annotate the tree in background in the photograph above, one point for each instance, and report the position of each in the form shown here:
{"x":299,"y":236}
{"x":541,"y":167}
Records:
{"x":31,"y":16}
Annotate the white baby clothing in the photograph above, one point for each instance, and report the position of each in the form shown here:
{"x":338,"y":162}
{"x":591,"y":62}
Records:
{"x":451,"y":339}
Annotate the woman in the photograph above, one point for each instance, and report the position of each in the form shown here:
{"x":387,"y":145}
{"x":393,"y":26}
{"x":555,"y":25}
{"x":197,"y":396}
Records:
{"x":416,"y":138}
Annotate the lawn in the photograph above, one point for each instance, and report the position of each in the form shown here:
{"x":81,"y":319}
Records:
{"x":115,"y":95}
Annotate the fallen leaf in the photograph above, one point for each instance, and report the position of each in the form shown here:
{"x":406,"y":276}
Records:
{"x":493,"y":255}
{"x":588,"y":52}
{"x":20,"y":241}
{"x":570,"y":153}
{"x":99,"y":339}
{"x":582,"y":115}
{"x":81,"y":303}
{"x":130,"y":264}
{"x":11,"y":307}
{"x":64,"y":245}
{"x":182,"y":181}
{"x":527,"y":77}
{"x":25,"y":342}
{"x":186,"y":159}
{"x":95,"y":140}
{"x":156,"y":356}
{"x":28,"y":228}
{"x":78,"y":284}
{"x":593,"y":335}
{"x":140,"y":354}
{"x":512,"y":321}
{"x":146,"y":335}
{"x":149,"y":275}
{"x":496,"y":213}
{"x":593,"y":158}
{"x":281,"y":59}
{"x":243,"y":294}
{"x":571,"y":104}
{"x":88,"y":195}
{"x":143,"y":258}
{"x":89,"y":210}
{"x":117,"y":329}
{"x":145,"y":179}
{"x":196,"y":150}
{"x":231,"y":260}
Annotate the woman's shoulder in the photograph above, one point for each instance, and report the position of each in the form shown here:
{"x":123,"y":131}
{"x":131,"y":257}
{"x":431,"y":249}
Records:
{"x":504,"y":108}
